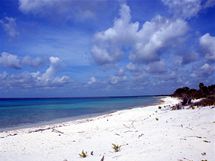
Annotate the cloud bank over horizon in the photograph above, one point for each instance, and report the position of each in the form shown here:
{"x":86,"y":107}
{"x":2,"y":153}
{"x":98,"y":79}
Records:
{"x":106,"y":47}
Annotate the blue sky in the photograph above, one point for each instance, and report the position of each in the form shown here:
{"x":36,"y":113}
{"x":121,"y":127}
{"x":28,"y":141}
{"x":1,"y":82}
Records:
{"x":59,"y":48}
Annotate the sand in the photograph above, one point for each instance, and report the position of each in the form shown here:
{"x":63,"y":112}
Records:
{"x":144,"y":134}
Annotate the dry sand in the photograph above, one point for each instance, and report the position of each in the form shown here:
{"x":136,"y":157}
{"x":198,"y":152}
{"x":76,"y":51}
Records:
{"x":144,"y":134}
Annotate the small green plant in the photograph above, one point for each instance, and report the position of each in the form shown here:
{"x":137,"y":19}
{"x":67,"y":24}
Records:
{"x":83,"y":154}
{"x":116,"y":147}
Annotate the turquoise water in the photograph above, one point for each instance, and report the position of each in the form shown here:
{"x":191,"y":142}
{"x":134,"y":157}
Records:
{"x":19,"y":112}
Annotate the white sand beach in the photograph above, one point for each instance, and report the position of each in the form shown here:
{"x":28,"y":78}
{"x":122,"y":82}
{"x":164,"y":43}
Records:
{"x":144,"y":134}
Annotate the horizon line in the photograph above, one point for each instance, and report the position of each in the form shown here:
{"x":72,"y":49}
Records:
{"x":69,"y":97}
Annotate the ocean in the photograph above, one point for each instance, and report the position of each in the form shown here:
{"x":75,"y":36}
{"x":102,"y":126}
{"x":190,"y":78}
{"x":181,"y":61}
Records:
{"x":28,"y":111}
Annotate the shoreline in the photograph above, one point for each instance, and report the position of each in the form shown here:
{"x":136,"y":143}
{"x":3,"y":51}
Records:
{"x":150,"y":133}
{"x":74,"y":118}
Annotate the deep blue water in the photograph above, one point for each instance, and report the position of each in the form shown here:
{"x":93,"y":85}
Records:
{"x":19,"y":112}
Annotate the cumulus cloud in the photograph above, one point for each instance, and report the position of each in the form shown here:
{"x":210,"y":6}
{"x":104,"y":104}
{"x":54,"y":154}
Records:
{"x":47,"y":79}
{"x":207,"y":42}
{"x":65,"y":9}
{"x":30,"y":80}
{"x":185,"y":58}
{"x":10,"y":27}
{"x":13,"y":61}
{"x":143,"y":43}
{"x":103,"y":56}
{"x":209,"y":3}
{"x":155,"y":35}
{"x":131,"y":67}
{"x":9,"y":60}
{"x":207,"y":69}
{"x":156,"y":67}
{"x":92,"y":80}
{"x":34,"y":62}
{"x":187,"y":8}
{"x":203,"y":72}
{"x":120,"y":76}
{"x":116,"y":79}
{"x":183,"y":8}
{"x":121,"y":72}
{"x":188,"y":58}
{"x":108,"y":44}
{"x":54,"y":61}
{"x":36,"y":5}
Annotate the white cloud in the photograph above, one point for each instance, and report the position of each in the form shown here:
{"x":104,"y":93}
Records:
{"x":203,"y":72}
{"x":185,"y":58}
{"x":143,"y":43}
{"x":63,"y":9}
{"x":92,"y":80}
{"x":156,"y":67}
{"x":114,"y":80}
{"x":189,"y":58}
{"x":209,"y":3}
{"x":105,"y":55}
{"x":30,"y":80}
{"x":131,"y":67}
{"x":13,"y":61}
{"x":155,"y":35}
{"x":3,"y":75}
{"x":37,"y":6}
{"x":54,"y":60}
{"x":34,"y":62}
{"x":121,"y":72}
{"x":187,"y":8}
{"x":48,"y":79}
{"x":9,"y":60}
{"x":207,"y":42}
{"x":184,"y":8}
{"x":49,"y":75}
{"x":117,"y":79}
{"x":10,"y":27}
{"x":207,"y":69}
{"x":108,"y":44}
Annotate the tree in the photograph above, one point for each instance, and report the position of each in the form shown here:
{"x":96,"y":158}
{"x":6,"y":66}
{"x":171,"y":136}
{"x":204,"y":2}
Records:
{"x":203,"y":89}
{"x":201,"y":85}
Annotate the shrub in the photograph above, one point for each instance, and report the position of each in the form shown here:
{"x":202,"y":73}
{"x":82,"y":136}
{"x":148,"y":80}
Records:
{"x":206,"y":102}
{"x":193,"y":107}
{"x":116,"y":147}
{"x":83,"y":154}
{"x":202,"y":92}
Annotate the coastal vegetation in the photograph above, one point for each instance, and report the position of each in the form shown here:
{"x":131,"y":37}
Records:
{"x":83,"y":154}
{"x":205,"y":95}
{"x":116,"y":147}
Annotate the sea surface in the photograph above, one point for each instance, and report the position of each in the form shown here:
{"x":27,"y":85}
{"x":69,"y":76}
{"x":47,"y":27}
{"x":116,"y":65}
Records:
{"x":29,"y":111}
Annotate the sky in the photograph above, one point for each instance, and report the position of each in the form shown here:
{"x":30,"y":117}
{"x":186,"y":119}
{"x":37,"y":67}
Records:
{"x":83,"y":48}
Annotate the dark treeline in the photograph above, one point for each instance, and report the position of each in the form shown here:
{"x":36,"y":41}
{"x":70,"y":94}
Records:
{"x":207,"y":93}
